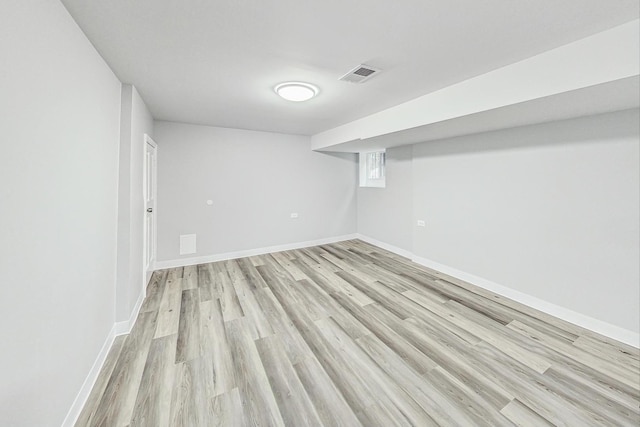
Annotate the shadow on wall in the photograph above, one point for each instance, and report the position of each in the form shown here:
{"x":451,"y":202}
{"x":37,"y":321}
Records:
{"x":338,"y":155}
{"x":582,"y":130}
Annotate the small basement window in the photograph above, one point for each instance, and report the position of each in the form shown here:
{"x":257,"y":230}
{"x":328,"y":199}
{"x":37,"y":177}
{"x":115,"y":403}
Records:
{"x":372,"y":169}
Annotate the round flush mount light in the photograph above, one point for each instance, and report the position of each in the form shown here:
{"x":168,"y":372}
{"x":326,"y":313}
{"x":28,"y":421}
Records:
{"x":296,"y":91}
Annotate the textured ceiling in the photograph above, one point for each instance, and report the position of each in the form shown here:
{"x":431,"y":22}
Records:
{"x":216,"y":62}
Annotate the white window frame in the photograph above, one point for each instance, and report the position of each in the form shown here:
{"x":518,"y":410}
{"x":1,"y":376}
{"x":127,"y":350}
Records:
{"x":372,"y":169}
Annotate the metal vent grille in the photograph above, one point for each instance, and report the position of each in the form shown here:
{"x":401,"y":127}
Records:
{"x":360,"y":74}
{"x":364,"y":71}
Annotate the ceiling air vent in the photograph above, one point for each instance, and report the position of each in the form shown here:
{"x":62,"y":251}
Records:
{"x":360,"y":74}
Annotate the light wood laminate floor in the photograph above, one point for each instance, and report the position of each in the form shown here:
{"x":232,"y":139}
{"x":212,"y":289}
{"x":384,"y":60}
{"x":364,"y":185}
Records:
{"x":348,"y":334}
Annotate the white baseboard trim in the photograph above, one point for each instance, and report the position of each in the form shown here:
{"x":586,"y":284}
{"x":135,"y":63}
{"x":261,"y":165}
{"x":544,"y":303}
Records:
{"x":587,"y":322}
{"x":87,"y":386}
{"x":160,"y":265}
{"x":396,"y":250}
{"x":124,"y":327}
{"x":612,"y":331}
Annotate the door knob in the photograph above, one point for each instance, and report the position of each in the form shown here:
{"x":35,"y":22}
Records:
{"x":149,"y":210}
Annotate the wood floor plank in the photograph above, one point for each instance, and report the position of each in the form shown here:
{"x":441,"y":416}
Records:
{"x":215,"y":350}
{"x":287,"y":265}
{"x":491,"y":333}
{"x":446,"y":354}
{"x":227,"y":410}
{"x":503,"y":313}
{"x":188,"y":347}
{"x":190,"y":276}
{"x":492,"y":308}
{"x":279,"y":281}
{"x":206,"y":282}
{"x":118,"y":400}
{"x":465,"y":400}
{"x":332,"y":282}
{"x":189,"y":402}
{"x":350,"y":324}
{"x":620,"y":373}
{"x":169,"y":310}
{"x":307,"y":253}
{"x":348,"y":253}
{"x":256,"y":320}
{"x":437,"y":408}
{"x":352,"y":387}
{"x":289,"y":337}
{"x":352,"y":267}
{"x":349,"y":334}
{"x":414,"y":357}
{"x":512,"y":337}
{"x":91,"y":405}
{"x":536,"y":391}
{"x":451,"y":292}
{"x":153,"y":403}
{"x":250,"y":273}
{"x":369,"y":248}
{"x":255,"y":317}
{"x":294,"y":403}
{"x":258,"y":401}
{"x":333,"y":251}
{"x":392,"y":301}
{"x":613,"y":405}
{"x":155,"y":290}
{"x":229,"y":302}
{"x":398,"y":403}
{"x":532,"y":313}
{"x":330,"y":405}
{"x":582,"y":378}
{"x":440,"y":314}
{"x":522,"y":416}
{"x":313,"y":275}
{"x":603,"y":340}
{"x":621,"y":356}
{"x":257,"y":260}
{"x":505,"y":373}
{"x":240,"y":284}
{"x":175,"y":273}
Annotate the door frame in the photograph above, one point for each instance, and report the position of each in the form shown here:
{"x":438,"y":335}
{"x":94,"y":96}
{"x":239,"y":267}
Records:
{"x":147,"y":269}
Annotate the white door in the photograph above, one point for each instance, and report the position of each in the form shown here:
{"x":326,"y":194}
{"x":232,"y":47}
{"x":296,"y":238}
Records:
{"x":150,"y":176}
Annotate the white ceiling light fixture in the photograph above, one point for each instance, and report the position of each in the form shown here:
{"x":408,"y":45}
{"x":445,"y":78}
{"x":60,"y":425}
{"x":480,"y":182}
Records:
{"x":296,"y":91}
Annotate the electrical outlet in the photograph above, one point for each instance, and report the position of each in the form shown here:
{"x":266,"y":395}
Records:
{"x":294,"y":215}
{"x":421,"y":223}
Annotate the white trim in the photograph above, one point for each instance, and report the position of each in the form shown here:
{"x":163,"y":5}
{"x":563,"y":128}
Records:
{"x":396,"y":250}
{"x":612,"y":331}
{"x":150,"y":141}
{"x":89,"y":382}
{"x":124,"y":327}
{"x":148,"y":268}
{"x":250,"y":252}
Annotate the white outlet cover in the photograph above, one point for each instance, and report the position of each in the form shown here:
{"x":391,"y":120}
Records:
{"x":421,"y":223}
{"x":294,"y":215}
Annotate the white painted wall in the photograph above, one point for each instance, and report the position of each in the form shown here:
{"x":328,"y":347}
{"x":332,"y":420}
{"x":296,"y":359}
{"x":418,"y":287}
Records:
{"x":385,"y":213}
{"x":550,"y":210}
{"x":256,"y":180}
{"x":59,"y":121}
{"x":136,"y":121}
